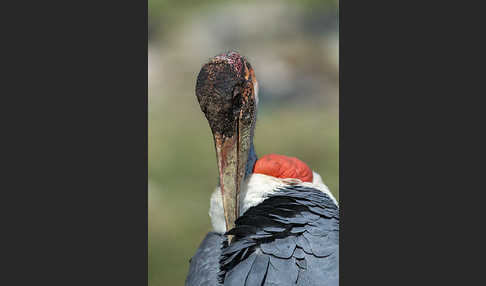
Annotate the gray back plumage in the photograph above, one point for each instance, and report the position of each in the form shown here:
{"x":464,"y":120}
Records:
{"x":291,"y":238}
{"x":204,"y":265}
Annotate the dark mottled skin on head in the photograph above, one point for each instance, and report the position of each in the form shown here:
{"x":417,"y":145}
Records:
{"x":234,"y":59}
{"x":223,"y":86}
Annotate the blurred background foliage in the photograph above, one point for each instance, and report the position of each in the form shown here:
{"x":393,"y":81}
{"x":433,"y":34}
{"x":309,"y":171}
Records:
{"x":293,"y":47}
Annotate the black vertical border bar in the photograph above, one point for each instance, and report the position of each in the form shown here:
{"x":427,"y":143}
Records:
{"x":75,"y":143}
{"x":408,"y":128}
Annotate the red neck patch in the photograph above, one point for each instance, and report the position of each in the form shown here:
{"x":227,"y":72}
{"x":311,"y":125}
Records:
{"x":281,"y":166}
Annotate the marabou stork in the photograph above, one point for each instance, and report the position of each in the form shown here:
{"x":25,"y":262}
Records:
{"x":283,"y":221}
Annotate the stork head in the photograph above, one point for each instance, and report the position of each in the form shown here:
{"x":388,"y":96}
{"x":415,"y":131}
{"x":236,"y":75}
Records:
{"x":226,"y":89}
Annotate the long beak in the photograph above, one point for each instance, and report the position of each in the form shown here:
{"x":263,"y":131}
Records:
{"x":232,"y":155}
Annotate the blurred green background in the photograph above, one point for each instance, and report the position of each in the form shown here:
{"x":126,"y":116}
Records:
{"x":293,"y":48}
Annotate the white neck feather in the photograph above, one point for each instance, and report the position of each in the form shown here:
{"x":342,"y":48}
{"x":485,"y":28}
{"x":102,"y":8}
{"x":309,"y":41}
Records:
{"x":255,"y":190}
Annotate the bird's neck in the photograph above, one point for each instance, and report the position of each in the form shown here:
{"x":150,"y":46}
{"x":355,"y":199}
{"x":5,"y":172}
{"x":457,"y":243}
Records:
{"x":252,"y":158}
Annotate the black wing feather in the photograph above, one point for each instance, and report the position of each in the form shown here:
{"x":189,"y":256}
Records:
{"x":291,"y":238}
